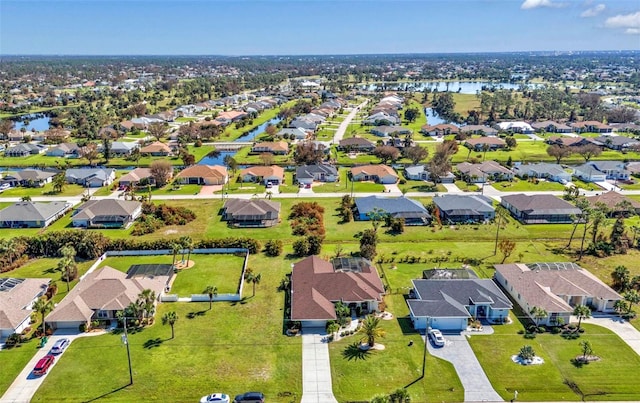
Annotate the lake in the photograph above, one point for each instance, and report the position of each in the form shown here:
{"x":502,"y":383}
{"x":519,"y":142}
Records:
{"x":253,"y":133}
{"x":38,"y":122}
{"x":434,"y":119}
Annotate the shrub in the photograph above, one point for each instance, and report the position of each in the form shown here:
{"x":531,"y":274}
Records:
{"x":13,"y":340}
{"x":301,"y":247}
{"x":273,"y":247}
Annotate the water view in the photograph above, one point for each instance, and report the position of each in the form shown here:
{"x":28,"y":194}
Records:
{"x":253,"y":133}
{"x":462,"y":87}
{"x":37,"y":122}
{"x":434,"y":119}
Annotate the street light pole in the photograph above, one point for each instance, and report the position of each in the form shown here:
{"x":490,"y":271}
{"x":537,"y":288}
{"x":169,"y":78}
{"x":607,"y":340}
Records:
{"x":424,"y":353}
{"x":125,"y":340}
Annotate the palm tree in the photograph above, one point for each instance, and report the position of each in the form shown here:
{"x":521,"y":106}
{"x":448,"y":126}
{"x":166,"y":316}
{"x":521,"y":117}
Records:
{"x":67,"y":265}
{"x":582,"y":312}
{"x":400,"y":395}
{"x":134,"y":310}
{"x":189,"y":244}
{"x":333,"y":327}
{"x":632,"y":297}
{"x":250,"y":277}
{"x":42,"y":306}
{"x":587,"y":350}
{"x":538,"y":313}
{"x":147,"y":300}
{"x":211,"y":291}
{"x":175,"y":248}
{"x":170,"y":318}
{"x":59,"y":181}
{"x":621,"y":278}
{"x":526,"y":353}
{"x":371,"y":329}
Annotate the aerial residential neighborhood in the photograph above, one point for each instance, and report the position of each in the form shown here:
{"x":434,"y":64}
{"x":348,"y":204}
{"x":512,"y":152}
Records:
{"x":310,"y":202}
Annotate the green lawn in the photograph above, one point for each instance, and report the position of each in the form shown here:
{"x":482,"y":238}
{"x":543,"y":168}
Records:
{"x":46,"y":190}
{"x":169,"y":189}
{"x":611,"y":378}
{"x":360,"y":376}
{"x":467,"y":187}
{"x":217,"y":350}
{"x":345,"y":185}
{"x":221,"y":271}
{"x":14,"y":361}
{"x":517,"y":185}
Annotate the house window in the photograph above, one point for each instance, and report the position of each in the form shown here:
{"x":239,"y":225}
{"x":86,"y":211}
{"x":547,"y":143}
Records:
{"x":103,"y":314}
{"x":518,"y":295}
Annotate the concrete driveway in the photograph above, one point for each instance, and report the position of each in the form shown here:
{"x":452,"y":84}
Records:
{"x":316,"y":368}
{"x":26,"y":384}
{"x":619,"y":326}
{"x":457,"y":351}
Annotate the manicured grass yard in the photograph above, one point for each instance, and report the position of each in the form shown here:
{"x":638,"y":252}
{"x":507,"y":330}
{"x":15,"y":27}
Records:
{"x":234,"y":348}
{"x":518,"y":185}
{"x":221,"y":271}
{"x":611,"y":378}
{"x":13,"y":361}
{"x":46,"y":190}
{"x":359,"y":376}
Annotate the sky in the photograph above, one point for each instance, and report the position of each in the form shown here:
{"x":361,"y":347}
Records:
{"x":301,"y":27}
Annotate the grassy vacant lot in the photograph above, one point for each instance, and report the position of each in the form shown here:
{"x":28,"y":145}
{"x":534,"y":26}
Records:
{"x":611,"y":378}
{"x":221,"y":271}
{"x":233,"y":348}
{"x":359,"y":376}
{"x":517,"y":185}
{"x":46,"y":190}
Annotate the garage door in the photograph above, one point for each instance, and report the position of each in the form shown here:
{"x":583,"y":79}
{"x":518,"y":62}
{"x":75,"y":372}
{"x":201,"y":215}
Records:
{"x":449,"y":323}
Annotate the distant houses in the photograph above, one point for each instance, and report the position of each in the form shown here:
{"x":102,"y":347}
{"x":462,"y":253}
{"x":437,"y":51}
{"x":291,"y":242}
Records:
{"x":375,"y":173}
{"x":90,"y":177}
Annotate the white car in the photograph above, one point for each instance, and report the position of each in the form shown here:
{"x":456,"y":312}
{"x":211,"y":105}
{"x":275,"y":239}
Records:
{"x":215,"y":398}
{"x":5,"y":186}
{"x":60,"y":346}
{"x":436,"y":337}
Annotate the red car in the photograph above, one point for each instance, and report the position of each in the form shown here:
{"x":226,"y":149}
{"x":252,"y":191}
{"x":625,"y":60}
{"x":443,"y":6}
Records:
{"x":43,"y":365}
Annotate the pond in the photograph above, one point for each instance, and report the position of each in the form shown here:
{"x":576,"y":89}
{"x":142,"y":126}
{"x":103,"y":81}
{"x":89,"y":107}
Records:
{"x":219,"y":160}
{"x":37,"y":121}
{"x":434,"y":119}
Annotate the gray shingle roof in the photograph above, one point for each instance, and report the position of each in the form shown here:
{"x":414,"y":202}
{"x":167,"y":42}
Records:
{"x":106,"y":207}
{"x":540,"y":204}
{"x":32,"y":211}
{"x":477,"y":203}
{"x":390,"y":205}
{"x":308,"y":171}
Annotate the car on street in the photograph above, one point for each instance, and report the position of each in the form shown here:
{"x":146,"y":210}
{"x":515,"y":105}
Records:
{"x":215,"y":398}
{"x":60,"y":346}
{"x":43,"y":365}
{"x":249,"y":397}
{"x":436,"y":337}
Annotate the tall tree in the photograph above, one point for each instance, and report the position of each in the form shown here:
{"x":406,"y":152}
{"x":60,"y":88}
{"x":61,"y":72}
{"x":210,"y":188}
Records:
{"x":170,"y":318}
{"x":90,"y":152}
{"x":161,"y":171}
{"x":59,"y":181}
{"x":588,"y":151}
{"x":253,"y":278}
{"x":632,"y":297}
{"x":621,"y":278}
{"x":386,"y":153}
{"x":157,"y":130}
{"x":147,"y":300}
{"x":67,"y":264}
{"x":559,"y":152}
{"x":42,"y":306}
{"x":415,"y":154}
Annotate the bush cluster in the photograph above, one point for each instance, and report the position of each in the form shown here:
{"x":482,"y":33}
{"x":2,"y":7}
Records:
{"x":273,"y":247}
{"x":307,"y":219}
{"x":156,"y":216}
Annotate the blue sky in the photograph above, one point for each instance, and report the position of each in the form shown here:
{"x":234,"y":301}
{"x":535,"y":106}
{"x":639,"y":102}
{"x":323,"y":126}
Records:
{"x":268,"y":27}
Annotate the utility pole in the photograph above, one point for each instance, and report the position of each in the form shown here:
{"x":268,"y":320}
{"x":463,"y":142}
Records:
{"x":424,"y":353}
{"x":125,"y":341}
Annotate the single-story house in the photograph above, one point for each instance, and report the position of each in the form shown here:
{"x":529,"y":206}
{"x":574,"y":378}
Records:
{"x":251,"y":213}
{"x":264,"y":174}
{"x":464,"y":208}
{"x":552,"y":172}
{"x":90,"y":177}
{"x":203,"y":175}
{"x":307,"y":174}
{"x":101,"y":294}
{"x":591,"y":126}
{"x":376,"y":173}
{"x":381,"y":118}
{"x":421,"y":173}
{"x":476,"y":144}
{"x":16,"y":297}
{"x":156,"y":149}
{"x":65,"y":150}
{"x":515,"y":127}
{"x":480,"y":173}
{"x":413,"y":212}
{"x":442,"y":129}
{"x":298,"y":133}
{"x":140,"y":176}
{"x":615,"y":202}
{"x":555,"y":287}
{"x":613,"y":169}
{"x":564,"y":141}
{"x":316,"y":285}
{"x":107,"y":213}
{"x":449,"y":304}
{"x":387,"y":131}
{"x":26,"y":214}
{"x":540,"y":209}
{"x":356,"y":144}
{"x":479,"y":129}
{"x":231,"y":116}
{"x":549,"y":126}
{"x":617,"y":142}
{"x":24,"y":150}
{"x":28,"y":178}
{"x":302,"y":123}
{"x":122,"y":148}
{"x":589,"y":173}
{"x":274,"y":147}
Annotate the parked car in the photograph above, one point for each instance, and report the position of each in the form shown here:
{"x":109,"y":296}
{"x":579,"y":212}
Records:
{"x":215,"y":398}
{"x":436,"y":337}
{"x":60,"y":346}
{"x":5,"y":186}
{"x":43,"y":365}
{"x":249,"y":397}
{"x":269,"y":185}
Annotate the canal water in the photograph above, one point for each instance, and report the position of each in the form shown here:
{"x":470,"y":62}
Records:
{"x":39,"y":122}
